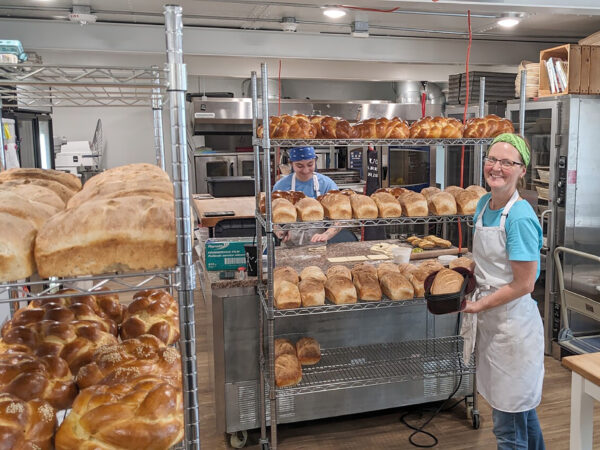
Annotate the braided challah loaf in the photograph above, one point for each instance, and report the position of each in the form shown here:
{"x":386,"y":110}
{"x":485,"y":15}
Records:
{"x":289,"y":127}
{"x":487,"y":127}
{"x":29,"y":377}
{"x":146,"y":414}
{"x":332,"y":128}
{"x":382,"y":128}
{"x":436,"y":127}
{"x":131,"y":359}
{"x":152,"y":311}
{"x":26,"y":425}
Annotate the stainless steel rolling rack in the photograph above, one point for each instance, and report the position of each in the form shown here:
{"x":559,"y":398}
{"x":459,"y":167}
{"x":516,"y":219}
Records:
{"x":424,"y":368}
{"x":39,"y":85}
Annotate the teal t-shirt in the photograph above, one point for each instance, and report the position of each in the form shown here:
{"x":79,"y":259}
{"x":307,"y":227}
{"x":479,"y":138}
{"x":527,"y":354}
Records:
{"x":523,"y":231}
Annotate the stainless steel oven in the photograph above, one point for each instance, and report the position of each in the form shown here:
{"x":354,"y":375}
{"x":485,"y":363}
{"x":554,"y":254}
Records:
{"x":213,"y":165}
{"x":408,"y":166}
{"x":245,"y":165}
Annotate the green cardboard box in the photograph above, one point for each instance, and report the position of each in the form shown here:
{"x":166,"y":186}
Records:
{"x":225,"y":253}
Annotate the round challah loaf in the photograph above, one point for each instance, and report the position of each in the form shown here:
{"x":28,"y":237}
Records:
{"x":131,"y":359}
{"x":146,"y":414}
{"x":436,"y":128}
{"x":26,"y":425}
{"x":152,"y":311}
{"x":289,"y":127}
{"x":30,"y":377}
{"x":332,"y":127}
{"x":487,"y":127}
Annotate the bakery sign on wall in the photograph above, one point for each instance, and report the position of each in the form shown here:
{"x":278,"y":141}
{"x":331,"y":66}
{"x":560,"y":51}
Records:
{"x":372,"y":170}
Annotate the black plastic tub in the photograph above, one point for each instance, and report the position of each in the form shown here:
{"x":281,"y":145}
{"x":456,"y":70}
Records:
{"x":230,"y":186}
{"x":449,"y":303}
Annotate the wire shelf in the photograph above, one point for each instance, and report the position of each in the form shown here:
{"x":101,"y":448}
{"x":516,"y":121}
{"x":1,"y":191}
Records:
{"x":366,"y":222}
{"x":125,"y":282}
{"x":374,"y":142}
{"x":333,"y":308}
{"x":40,"y":85}
{"x":370,"y":365}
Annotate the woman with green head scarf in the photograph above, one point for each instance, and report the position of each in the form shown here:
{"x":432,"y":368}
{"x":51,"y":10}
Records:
{"x":509,"y":330}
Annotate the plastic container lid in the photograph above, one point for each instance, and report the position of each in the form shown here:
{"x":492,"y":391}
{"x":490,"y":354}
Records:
{"x":446,"y":259}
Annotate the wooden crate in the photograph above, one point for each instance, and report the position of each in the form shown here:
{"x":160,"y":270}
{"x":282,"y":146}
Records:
{"x":583,"y":75}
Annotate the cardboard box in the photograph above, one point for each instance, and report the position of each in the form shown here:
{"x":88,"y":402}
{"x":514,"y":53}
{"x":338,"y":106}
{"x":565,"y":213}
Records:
{"x":225,"y":253}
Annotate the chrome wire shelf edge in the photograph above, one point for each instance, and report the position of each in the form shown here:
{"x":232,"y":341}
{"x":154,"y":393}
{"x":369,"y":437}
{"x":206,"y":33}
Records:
{"x":370,"y":365}
{"x":367,"y":222}
{"x":125,"y":282}
{"x":332,"y":308}
{"x":376,"y":142}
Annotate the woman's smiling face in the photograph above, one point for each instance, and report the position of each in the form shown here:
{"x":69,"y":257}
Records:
{"x":501,"y":178}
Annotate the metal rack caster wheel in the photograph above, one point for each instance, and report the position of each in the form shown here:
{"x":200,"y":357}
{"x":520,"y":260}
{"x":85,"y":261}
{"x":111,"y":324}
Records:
{"x":266,"y":446}
{"x":238,"y":439}
{"x":476,"y":421}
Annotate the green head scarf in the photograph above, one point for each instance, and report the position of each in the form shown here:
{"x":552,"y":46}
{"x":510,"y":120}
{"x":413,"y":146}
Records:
{"x":517,"y":142}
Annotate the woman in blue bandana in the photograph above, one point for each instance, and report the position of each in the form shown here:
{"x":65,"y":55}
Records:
{"x":304,"y":178}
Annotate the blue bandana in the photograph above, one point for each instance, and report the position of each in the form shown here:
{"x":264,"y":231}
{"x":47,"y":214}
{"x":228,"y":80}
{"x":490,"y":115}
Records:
{"x":301,"y":153}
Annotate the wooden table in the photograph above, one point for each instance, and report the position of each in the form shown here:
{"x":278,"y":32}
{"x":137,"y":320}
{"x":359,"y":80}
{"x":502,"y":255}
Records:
{"x":585,"y":388}
{"x":243,"y":208}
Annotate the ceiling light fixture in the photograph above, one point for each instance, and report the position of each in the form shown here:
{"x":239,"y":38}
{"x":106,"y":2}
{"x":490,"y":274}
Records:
{"x":509,"y":20}
{"x":334,"y":13}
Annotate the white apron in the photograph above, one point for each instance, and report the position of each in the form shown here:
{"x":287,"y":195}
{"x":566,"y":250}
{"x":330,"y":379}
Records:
{"x":303,"y":237}
{"x":510,"y":337}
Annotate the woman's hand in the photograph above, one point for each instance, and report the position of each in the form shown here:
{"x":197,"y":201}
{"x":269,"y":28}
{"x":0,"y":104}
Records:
{"x":284,"y":236}
{"x":472,"y":307}
{"x":321,"y":237}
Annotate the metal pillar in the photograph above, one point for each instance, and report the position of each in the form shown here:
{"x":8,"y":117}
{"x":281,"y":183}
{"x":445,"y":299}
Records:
{"x":159,"y":144}
{"x":2,"y":152}
{"x":176,"y":88}
{"x":522,"y":102}
{"x":478,"y":156}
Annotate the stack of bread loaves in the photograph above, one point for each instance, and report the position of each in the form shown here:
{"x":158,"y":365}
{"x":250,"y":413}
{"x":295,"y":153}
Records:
{"x":123,"y":219}
{"x":290,"y":358}
{"x":28,"y":198}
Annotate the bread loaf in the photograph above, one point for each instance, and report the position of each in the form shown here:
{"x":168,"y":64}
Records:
{"x":487,"y":127}
{"x":308,"y":351}
{"x":336,"y":205}
{"x":34,"y":193}
{"x":35,"y":212}
{"x":430,"y":266}
{"x":463,"y":261}
{"x":289,"y":127}
{"x":414,"y":204}
{"x":429,"y":191}
{"x":284,"y":347}
{"x":363,"y":207}
{"x":396,"y":286}
{"x":284,"y":273}
{"x":154,"y":312}
{"x":436,"y":127}
{"x":332,"y":128}
{"x":406,"y":268}
{"x":287,"y":296}
{"x":107,"y":235}
{"x":340,"y":290}
{"x":147,"y":413}
{"x":283,"y":211}
{"x":26,"y":424}
{"x":442,"y":204}
{"x":386,"y":267}
{"x":466,"y":202}
{"x":309,"y":210}
{"x":59,"y":189}
{"x":367,"y":286}
{"x":387,"y":204}
{"x":381,"y":128}
{"x":17,"y":237}
{"x":290,"y":196}
{"x":288,"y":371}
{"x":439,"y":242}
{"x":339,"y":270}
{"x":364,"y":268}
{"x":453,"y":190}
{"x":446,"y":281}
{"x":312,"y":292}
{"x":313,"y":272}
{"x":129,"y":360}
{"x":480,"y":191}
{"x":68,"y":180}
{"x":417,"y":279}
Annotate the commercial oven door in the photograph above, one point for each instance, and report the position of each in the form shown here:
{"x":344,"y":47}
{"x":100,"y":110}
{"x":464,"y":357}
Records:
{"x":408,"y":166}
{"x":213,"y":166}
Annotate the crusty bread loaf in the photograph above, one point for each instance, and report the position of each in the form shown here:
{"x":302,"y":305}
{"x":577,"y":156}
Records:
{"x":446,"y":281}
{"x":290,"y":196}
{"x":147,"y":413}
{"x":340,"y":290}
{"x":339,"y":270}
{"x":363,"y":207}
{"x":283,"y":211}
{"x":127,"y":233}
{"x":332,"y":128}
{"x":480,"y":191}
{"x":413,"y":204}
{"x":487,"y":127}
{"x":287,"y":296}
{"x":133,"y":358}
{"x":442,"y":204}
{"x":453,"y":190}
{"x":417,"y":279}
{"x":312,"y":292}
{"x":429,"y":191}
{"x":386,"y":267}
{"x":308,"y":351}
{"x":466,"y":202}
{"x":313,"y":272}
{"x":406,"y":268}
{"x":381,"y":128}
{"x":284,"y":273}
{"x":288,"y":371}
{"x":463,"y":261}
{"x":289,"y":127}
{"x":436,"y":127}
{"x":336,"y":205}
{"x":68,"y":180}
{"x":35,"y":193}
{"x":430,"y":266}
{"x":17,"y":237}
{"x":152,"y":311}
{"x":309,"y":210}
{"x":438,"y":241}
{"x":387,"y":204}
{"x":26,"y":424}
{"x":59,"y":189}
{"x":396,"y":286}
{"x":35,"y":212}
{"x":284,"y":347}
{"x":367,"y":286}
{"x":364,"y":268}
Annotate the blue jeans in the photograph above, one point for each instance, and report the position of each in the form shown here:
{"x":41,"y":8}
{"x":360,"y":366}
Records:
{"x":518,"y":431}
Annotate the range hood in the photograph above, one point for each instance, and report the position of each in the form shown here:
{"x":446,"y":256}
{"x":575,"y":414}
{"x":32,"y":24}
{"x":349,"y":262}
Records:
{"x":234,"y":115}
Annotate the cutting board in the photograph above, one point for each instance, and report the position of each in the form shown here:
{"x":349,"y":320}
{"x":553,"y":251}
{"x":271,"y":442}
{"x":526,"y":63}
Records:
{"x":434,"y":253}
{"x":243,"y":207}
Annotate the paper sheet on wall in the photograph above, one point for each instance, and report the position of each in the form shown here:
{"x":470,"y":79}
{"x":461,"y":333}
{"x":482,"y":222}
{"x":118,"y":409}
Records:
{"x":12,"y":160}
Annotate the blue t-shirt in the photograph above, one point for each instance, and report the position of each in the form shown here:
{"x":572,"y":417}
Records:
{"x":325,"y":184}
{"x":523,"y":231}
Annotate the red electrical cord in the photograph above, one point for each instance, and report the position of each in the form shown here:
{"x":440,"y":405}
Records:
{"x":423,"y":101}
{"x":462,"y":152}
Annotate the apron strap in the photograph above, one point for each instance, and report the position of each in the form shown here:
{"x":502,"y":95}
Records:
{"x":508,"y":206}
{"x":293,"y":188}
{"x":316,"y":185}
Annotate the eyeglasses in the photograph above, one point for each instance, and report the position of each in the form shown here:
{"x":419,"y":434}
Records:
{"x":505,"y":163}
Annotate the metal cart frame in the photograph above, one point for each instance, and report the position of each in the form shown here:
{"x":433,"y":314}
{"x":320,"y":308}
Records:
{"x":121,"y":86}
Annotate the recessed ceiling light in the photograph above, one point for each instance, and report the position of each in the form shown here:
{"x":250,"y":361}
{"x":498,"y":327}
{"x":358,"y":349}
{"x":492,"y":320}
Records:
{"x":509,"y":20}
{"x":334,"y":13}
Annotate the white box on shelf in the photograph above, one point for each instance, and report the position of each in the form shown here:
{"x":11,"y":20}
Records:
{"x":76,"y":147}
